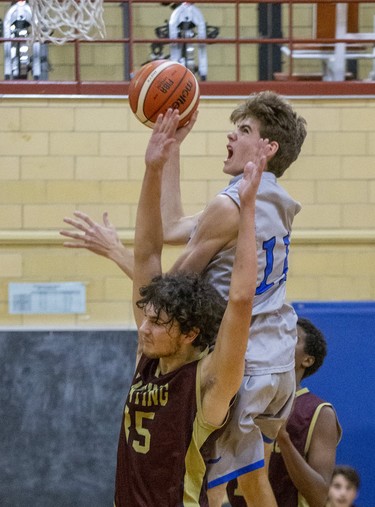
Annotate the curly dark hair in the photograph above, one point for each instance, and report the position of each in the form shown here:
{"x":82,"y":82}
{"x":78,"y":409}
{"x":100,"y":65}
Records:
{"x":315,"y":345}
{"x":349,"y":473}
{"x":188,"y":300}
{"x":278,"y":122}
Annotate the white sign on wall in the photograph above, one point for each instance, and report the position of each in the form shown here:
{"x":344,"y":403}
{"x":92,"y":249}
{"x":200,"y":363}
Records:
{"x":64,"y":297}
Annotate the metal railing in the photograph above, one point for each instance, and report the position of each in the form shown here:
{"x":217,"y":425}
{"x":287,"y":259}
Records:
{"x":132,"y":42}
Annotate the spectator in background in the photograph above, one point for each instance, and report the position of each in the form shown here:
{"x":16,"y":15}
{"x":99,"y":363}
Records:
{"x":344,"y":487}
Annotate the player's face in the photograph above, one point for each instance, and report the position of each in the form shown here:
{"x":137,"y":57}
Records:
{"x":242,"y":145}
{"x":342,"y":493}
{"x":300,"y":353}
{"x":158,"y":337}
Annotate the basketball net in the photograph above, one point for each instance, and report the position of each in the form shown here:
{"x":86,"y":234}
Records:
{"x":58,"y":21}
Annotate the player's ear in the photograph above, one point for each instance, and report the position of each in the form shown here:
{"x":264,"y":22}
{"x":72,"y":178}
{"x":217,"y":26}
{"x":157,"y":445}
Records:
{"x":274,"y":148}
{"x":308,"y":361}
{"x":192,"y":334}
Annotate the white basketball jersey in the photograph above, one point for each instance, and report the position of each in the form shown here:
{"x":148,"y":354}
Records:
{"x":273,"y":330}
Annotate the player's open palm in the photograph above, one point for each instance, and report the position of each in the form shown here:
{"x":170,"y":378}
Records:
{"x":101,"y":239}
{"x":162,"y":138}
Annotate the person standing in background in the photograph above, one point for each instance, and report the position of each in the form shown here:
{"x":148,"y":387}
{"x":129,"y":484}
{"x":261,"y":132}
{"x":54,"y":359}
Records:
{"x":344,"y":487}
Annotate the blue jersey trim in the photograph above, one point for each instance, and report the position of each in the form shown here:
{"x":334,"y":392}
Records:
{"x":213,"y":460}
{"x":236,"y":473}
{"x":267,"y":440}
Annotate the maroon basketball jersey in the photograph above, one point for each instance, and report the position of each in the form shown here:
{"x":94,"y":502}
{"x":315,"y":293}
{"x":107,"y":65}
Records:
{"x":163,"y":440}
{"x":300,"y":425}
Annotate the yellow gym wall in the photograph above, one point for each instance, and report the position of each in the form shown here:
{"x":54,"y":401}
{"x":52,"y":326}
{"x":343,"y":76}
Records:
{"x":58,"y":155}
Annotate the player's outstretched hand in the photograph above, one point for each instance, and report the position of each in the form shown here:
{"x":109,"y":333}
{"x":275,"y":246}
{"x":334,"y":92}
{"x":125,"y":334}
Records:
{"x":101,"y":239}
{"x":252,"y":174}
{"x":162,"y":138}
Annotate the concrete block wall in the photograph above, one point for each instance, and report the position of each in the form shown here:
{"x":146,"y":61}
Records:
{"x":58,"y":155}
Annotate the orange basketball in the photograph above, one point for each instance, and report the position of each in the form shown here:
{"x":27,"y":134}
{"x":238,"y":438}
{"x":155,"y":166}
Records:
{"x":161,"y":85}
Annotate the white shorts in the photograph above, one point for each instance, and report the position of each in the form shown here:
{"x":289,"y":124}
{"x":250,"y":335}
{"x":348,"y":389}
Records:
{"x":263,"y":404}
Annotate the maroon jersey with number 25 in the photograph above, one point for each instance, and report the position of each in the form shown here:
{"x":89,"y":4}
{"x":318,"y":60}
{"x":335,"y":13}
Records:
{"x":163,"y":440}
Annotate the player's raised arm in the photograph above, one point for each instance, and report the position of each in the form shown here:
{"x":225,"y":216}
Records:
{"x":148,"y":240}
{"x":225,"y":366}
{"x":177,"y":227}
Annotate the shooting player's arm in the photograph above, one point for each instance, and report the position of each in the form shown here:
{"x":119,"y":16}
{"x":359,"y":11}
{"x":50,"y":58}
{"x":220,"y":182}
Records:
{"x":177,"y":227}
{"x":212,"y":234}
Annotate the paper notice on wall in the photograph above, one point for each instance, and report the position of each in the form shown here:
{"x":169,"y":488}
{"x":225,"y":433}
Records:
{"x":40,"y":298}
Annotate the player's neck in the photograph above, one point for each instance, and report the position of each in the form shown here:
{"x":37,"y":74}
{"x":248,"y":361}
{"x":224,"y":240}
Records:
{"x":185,"y":356}
{"x":299,"y":376}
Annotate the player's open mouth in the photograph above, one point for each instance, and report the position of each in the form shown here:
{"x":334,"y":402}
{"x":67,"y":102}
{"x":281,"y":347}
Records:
{"x":230,"y":152}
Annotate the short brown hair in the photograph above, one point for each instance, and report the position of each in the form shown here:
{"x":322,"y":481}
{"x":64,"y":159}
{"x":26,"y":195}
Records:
{"x":278,"y":122}
{"x":349,"y":473}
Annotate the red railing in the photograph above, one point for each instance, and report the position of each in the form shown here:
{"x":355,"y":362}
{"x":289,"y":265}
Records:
{"x":238,"y":87}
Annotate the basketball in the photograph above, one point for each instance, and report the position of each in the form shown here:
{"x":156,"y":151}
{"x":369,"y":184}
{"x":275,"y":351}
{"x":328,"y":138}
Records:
{"x":160,"y":85}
